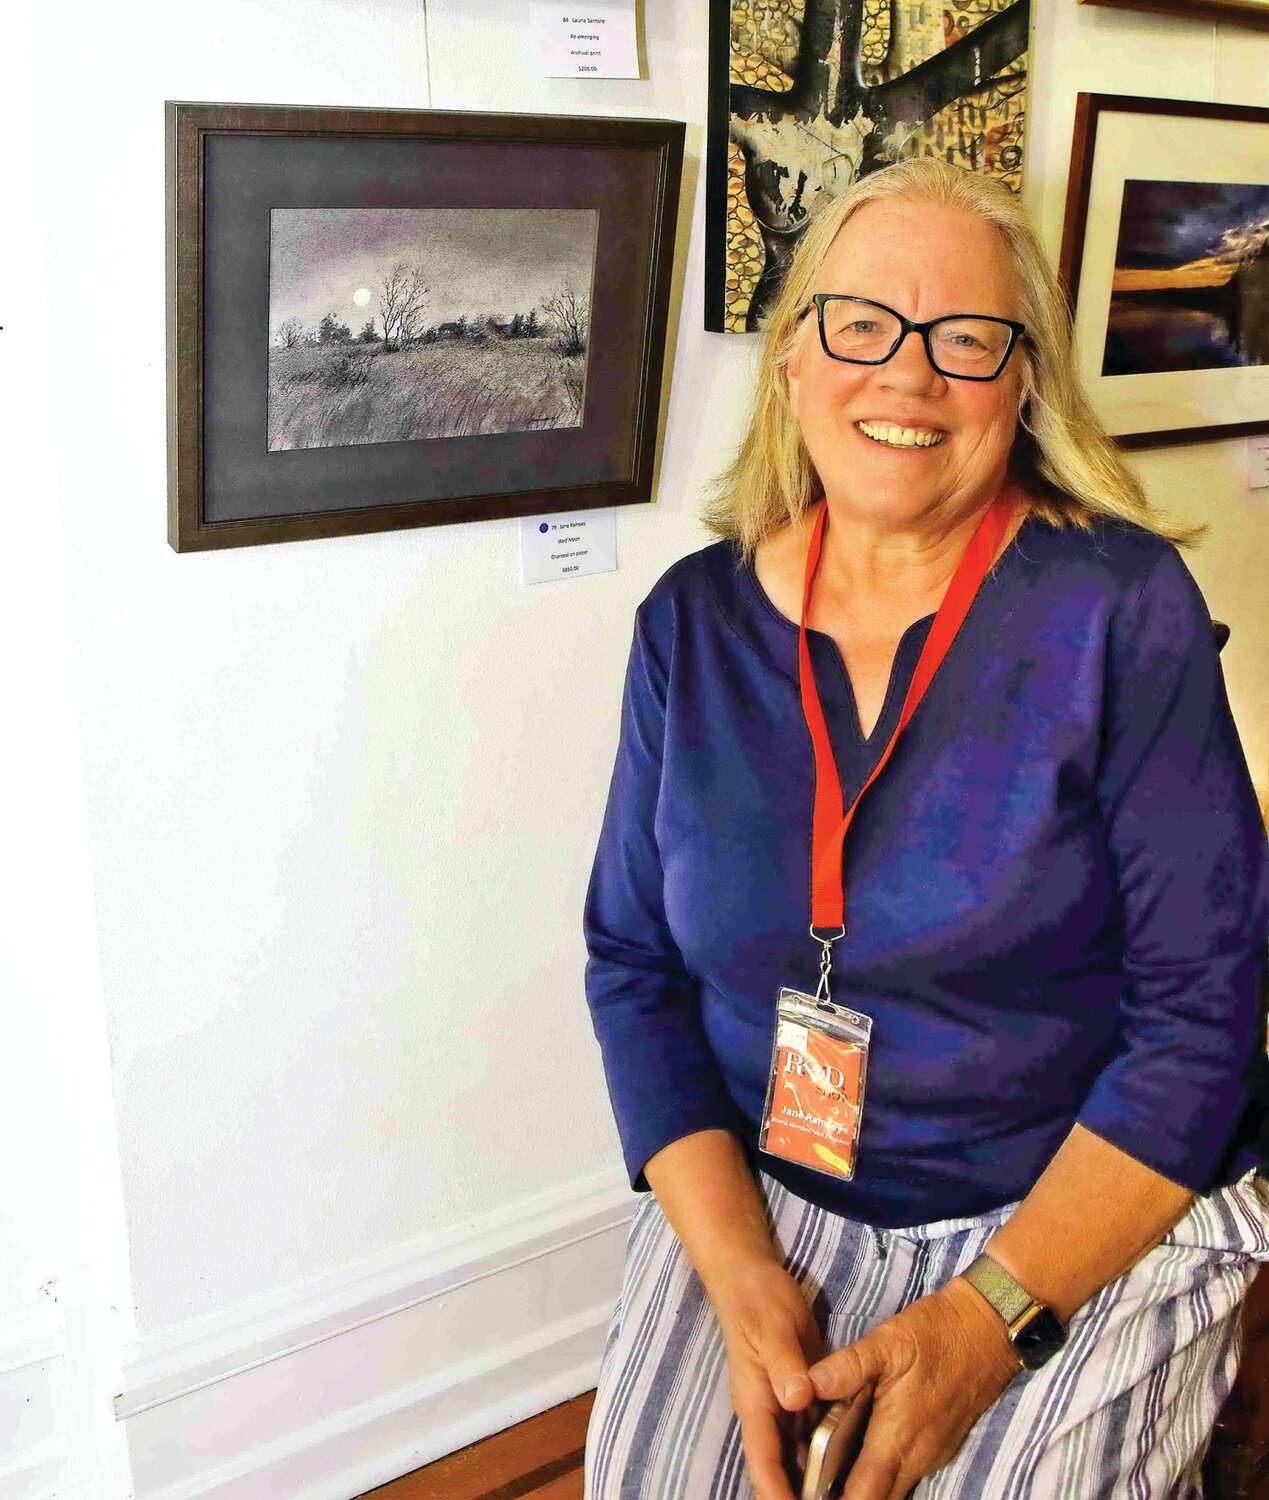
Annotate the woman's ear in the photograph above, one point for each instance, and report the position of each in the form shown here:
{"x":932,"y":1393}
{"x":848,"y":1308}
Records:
{"x":797,"y":353}
{"x":793,"y":376}
{"x":1027,"y":384}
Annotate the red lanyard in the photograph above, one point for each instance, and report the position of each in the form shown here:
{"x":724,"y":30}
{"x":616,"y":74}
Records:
{"x":829,"y":828}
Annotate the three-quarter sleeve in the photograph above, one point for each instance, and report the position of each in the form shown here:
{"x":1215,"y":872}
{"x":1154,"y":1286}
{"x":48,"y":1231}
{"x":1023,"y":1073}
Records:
{"x":663,"y":1078}
{"x":1189,"y":851}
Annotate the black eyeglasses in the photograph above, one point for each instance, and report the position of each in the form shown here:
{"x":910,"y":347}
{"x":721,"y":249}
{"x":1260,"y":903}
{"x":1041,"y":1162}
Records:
{"x":962,"y":346}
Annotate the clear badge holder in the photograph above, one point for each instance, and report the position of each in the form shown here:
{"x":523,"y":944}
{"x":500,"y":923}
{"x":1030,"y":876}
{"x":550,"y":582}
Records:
{"x":815,"y":1091}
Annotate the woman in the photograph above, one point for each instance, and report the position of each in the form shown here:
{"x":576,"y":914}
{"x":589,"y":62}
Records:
{"x":1053,"y":901}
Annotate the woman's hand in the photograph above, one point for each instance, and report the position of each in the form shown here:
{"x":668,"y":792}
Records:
{"x":935,"y":1368}
{"x":771,"y":1337}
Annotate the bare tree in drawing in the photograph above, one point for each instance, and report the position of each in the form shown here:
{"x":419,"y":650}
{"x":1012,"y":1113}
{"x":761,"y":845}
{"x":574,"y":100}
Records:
{"x":571,"y":313}
{"x":402,"y":303}
{"x":290,"y":333}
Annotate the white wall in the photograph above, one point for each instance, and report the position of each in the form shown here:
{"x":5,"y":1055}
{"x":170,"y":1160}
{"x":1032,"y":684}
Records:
{"x":338,"y":852}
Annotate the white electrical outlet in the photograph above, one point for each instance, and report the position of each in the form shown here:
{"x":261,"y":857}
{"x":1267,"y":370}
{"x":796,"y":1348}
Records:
{"x":1258,"y":462}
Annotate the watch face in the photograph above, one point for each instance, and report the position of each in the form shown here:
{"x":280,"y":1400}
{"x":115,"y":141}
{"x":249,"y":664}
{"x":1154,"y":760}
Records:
{"x":1040,"y":1339}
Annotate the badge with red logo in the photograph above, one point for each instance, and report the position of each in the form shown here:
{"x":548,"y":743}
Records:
{"x":815,"y":1092}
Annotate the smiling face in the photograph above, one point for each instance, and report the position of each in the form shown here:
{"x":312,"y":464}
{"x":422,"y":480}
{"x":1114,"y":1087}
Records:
{"x":925,"y":260}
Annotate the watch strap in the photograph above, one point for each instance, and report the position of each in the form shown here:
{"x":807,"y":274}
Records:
{"x":1005,"y":1294}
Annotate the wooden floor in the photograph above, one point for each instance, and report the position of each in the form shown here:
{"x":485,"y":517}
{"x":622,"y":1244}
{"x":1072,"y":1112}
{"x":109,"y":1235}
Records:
{"x":540,"y":1459}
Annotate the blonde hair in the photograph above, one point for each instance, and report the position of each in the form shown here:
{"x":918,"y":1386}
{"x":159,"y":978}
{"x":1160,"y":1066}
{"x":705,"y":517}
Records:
{"x":1063,"y":460}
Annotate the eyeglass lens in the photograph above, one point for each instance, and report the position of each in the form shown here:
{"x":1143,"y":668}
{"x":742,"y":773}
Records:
{"x":960,"y":346}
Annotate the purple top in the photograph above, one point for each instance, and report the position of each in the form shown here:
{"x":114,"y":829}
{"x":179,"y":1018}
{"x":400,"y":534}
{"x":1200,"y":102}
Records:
{"x":1057,"y":891}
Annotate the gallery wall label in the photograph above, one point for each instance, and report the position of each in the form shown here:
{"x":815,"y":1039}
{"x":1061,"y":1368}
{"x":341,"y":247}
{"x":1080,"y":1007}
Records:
{"x":592,"y":40}
{"x":567,"y":545}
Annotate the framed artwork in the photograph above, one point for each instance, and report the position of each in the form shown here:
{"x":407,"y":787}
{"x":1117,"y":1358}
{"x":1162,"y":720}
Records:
{"x":1241,"y":12}
{"x":391,"y":318}
{"x":805,"y":96}
{"x":1165,"y":258}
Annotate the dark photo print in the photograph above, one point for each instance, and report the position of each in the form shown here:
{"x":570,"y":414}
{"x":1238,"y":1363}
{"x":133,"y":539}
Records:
{"x":1191,"y":282}
{"x":387,"y":325}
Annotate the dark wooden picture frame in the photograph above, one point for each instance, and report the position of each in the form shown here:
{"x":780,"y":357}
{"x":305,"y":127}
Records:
{"x":1236,"y":12}
{"x":1090,"y":110}
{"x":230,"y":166}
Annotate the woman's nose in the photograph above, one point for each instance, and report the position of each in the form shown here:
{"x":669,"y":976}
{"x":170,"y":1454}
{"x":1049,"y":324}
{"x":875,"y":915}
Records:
{"x":909,"y":366}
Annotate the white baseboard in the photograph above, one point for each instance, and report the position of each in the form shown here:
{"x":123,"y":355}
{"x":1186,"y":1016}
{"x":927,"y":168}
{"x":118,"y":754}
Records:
{"x":35,"y":1447}
{"x":326,"y":1391}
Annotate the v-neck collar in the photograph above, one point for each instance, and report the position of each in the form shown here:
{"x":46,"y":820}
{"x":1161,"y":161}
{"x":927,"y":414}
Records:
{"x":775,"y":636}
{"x":902,"y":665}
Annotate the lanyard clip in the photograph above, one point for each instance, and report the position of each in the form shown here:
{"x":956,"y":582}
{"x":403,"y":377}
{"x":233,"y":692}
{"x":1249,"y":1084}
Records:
{"x":822,"y":996}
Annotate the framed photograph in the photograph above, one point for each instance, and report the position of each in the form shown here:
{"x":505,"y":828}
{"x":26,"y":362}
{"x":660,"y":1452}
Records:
{"x":1165,"y":258}
{"x":390,"y":318}
{"x":805,"y":99}
{"x":1240,"y":12}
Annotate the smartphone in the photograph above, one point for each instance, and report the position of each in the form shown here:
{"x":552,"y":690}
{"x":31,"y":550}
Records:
{"x":835,"y":1444}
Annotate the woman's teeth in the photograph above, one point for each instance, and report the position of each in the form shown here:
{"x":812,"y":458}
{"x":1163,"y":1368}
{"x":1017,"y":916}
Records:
{"x":901,"y":437}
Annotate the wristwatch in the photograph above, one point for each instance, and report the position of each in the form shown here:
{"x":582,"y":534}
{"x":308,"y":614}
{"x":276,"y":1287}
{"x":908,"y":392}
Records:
{"x":1034,"y":1329}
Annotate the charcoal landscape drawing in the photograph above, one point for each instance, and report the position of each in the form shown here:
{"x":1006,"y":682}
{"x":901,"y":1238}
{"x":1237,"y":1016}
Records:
{"x":1191,"y":282}
{"x":389,"y":325}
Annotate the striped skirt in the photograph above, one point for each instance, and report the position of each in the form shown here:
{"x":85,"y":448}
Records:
{"x":1125,"y":1409}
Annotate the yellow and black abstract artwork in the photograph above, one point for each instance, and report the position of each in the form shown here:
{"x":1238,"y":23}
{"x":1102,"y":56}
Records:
{"x":808,"y":95}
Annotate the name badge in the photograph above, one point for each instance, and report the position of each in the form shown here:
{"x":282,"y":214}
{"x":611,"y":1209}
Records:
{"x":815,"y":1091}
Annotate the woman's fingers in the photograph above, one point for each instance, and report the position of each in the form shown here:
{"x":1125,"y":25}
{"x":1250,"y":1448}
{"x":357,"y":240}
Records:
{"x":775,"y":1441}
{"x":765,"y":1448}
{"x":932,"y":1382}
{"x":771,"y":1336}
{"x":877,"y":1477}
{"x":789,"y":1342}
{"x":786,"y":1370}
{"x":846,"y":1370}
{"x":887,"y":1466}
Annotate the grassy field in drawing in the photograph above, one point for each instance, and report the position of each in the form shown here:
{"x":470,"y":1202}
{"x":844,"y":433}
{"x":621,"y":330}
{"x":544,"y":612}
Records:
{"x":322,"y":397}
{"x":475,"y":321}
